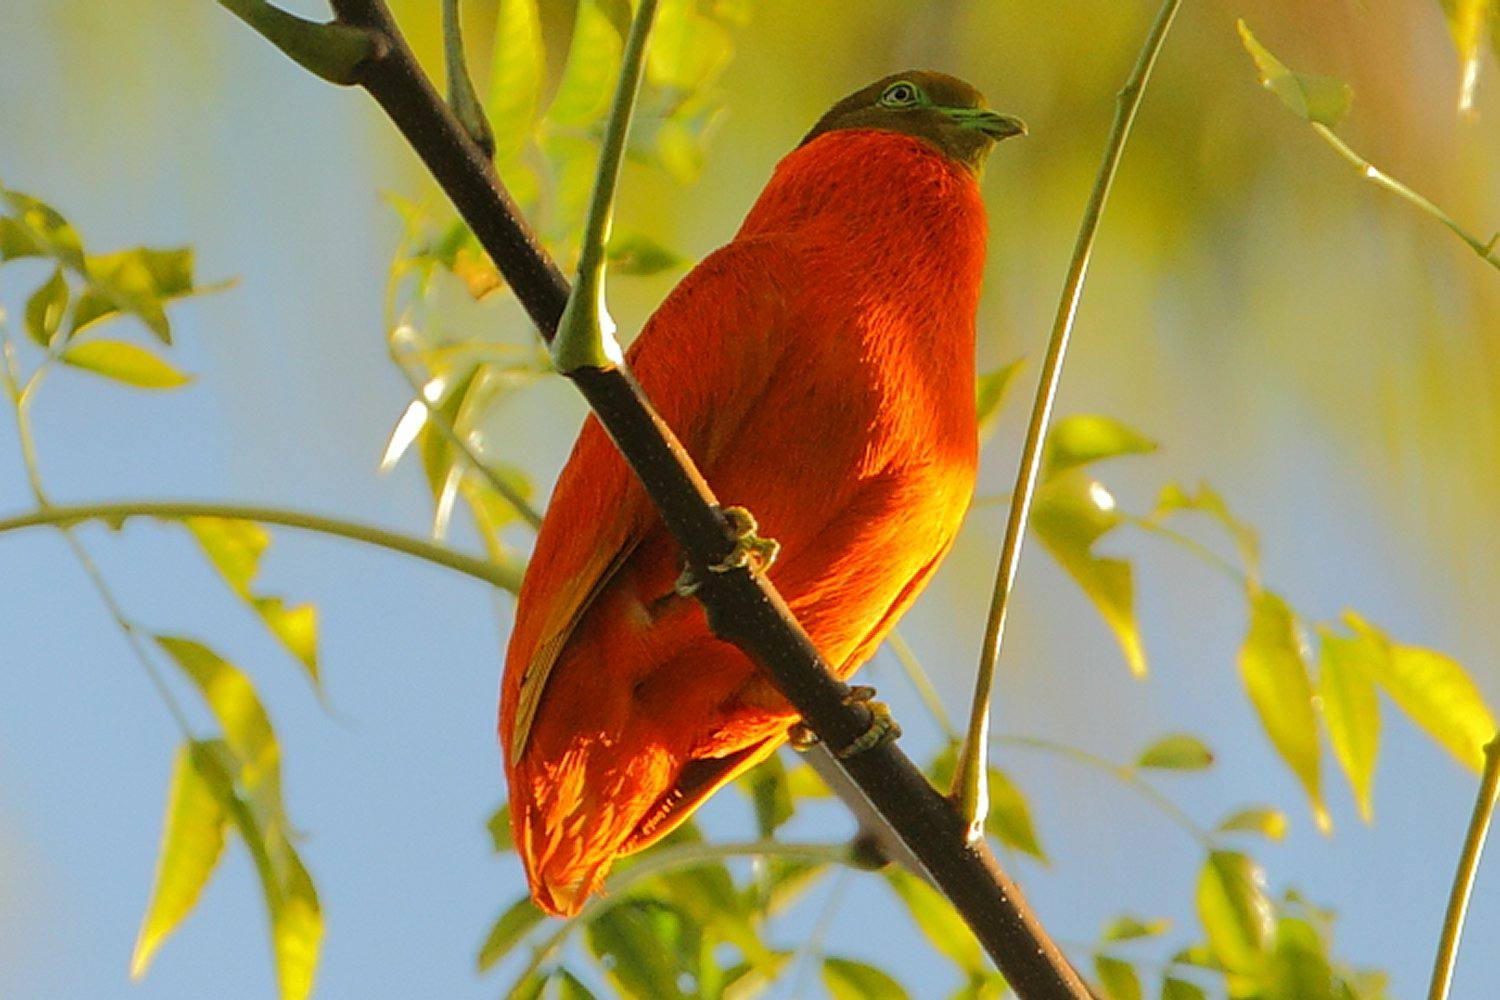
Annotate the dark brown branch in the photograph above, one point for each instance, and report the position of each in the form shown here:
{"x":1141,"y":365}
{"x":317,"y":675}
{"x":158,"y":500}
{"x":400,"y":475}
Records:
{"x":742,"y":608}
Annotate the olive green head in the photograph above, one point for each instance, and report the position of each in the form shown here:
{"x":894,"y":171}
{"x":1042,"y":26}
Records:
{"x":939,"y":108}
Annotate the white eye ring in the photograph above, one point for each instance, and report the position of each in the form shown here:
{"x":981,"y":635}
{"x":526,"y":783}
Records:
{"x":899,"y":95}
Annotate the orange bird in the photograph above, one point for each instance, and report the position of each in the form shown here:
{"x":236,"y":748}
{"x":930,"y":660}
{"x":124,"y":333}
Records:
{"x":820,"y":371}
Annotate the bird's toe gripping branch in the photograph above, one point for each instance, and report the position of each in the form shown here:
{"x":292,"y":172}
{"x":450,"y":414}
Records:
{"x":750,"y":551}
{"x":883,"y":726}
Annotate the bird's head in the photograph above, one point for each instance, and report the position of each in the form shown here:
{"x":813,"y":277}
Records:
{"x":935,"y":107}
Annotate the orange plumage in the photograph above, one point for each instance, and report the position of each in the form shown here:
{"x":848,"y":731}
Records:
{"x":819,"y":370}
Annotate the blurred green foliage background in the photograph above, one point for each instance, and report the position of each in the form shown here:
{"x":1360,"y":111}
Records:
{"x":1327,"y":357}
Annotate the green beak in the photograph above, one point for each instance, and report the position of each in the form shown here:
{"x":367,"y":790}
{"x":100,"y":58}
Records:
{"x":983,"y":120}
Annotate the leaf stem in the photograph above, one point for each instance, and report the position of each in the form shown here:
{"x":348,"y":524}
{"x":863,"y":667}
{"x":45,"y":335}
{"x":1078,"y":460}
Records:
{"x":969,"y":780}
{"x":1372,"y":173}
{"x":585,"y":334}
{"x":693,"y":855}
{"x":461,"y":96}
{"x":332,"y":51}
{"x":496,"y":574}
{"x":1468,"y":867}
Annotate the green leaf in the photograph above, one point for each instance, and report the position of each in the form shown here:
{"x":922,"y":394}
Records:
{"x":124,"y":362}
{"x":33,"y":228}
{"x":1299,"y":968}
{"x":1117,"y":978}
{"x":1083,"y":439}
{"x":1269,"y":823}
{"x":847,"y":979}
{"x":991,"y":986}
{"x":509,"y":928}
{"x":639,"y":254}
{"x":689,"y":50}
{"x":515,"y":80}
{"x":559,"y":18}
{"x":1435,"y":692}
{"x":1467,"y":20}
{"x":935,"y":918}
{"x":1206,"y":500}
{"x":138,"y":282}
{"x":1009,"y":819}
{"x":641,"y":945}
{"x":990,"y":390}
{"x":569,"y":987}
{"x":1128,"y":928}
{"x":192,"y":844}
{"x":1275,"y":675}
{"x":1070,"y":513}
{"x":803,"y":783}
{"x":766,"y":784}
{"x":588,"y":81}
{"x":1177,"y":752}
{"x":1351,"y":710}
{"x":1234,"y":910}
{"x":1180,"y":989}
{"x":1319,"y":99}
{"x":45,"y":309}
{"x":499,"y":827}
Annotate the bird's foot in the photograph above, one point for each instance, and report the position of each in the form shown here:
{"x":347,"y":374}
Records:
{"x":750,"y":550}
{"x":883,"y":726}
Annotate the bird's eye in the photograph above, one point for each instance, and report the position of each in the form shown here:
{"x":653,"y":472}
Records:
{"x":900,"y":95}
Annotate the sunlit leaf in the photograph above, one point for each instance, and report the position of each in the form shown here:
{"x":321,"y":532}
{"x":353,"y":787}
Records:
{"x":1173,"y":988}
{"x":588,"y":82}
{"x":192,"y":843}
{"x":124,"y":362}
{"x":1206,"y":500}
{"x":1070,"y":513}
{"x":641,"y":945}
{"x":45,"y":309}
{"x":1009,"y":818}
{"x":32,"y":228}
{"x":1351,"y":710}
{"x":140,"y":282}
{"x":1234,"y":910}
{"x":1117,"y":978}
{"x":499,"y":827}
{"x":804,"y":783}
{"x":1299,"y":968}
{"x":509,"y":928}
{"x":787,"y":881}
{"x":766,"y":784}
{"x":707,"y":894}
{"x":847,"y":979}
{"x":515,"y":79}
{"x":1320,"y":99}
{"x":1082,"y":439}
{"x":990,"y":391}
{"x":559,"y":18}
{"x":570,"y":987}
{"x":688,"y":49}
{"x":991,"y":986}
{"x":640,"y":254}
{"x":1177,"y":752}
{"x":1129,"y":928}
{"x":1435,"y":692}
{"x":1269,"y":823}
{"x":938,"y":922}
{"x":235,"y":547}
{"x":1274,"y":669}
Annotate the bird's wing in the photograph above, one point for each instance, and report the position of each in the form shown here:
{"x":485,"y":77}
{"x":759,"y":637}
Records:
{"x":704,"y":359}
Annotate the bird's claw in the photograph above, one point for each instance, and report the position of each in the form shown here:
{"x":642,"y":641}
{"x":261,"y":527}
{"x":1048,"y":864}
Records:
{"x":883,"y":726}
{"x":750,"y":550}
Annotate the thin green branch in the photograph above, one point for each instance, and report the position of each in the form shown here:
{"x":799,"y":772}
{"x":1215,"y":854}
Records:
{"x":969,"y":781}
{"x":1207,"y":555}
{"x":1125,"y":775}
{"x":499,"y":575}
{"x":332,"y":51}
{"x":461,"y":96}
{"x":1485,"y":249}
{"x":1468,"y":868}
{"x":585,"y":334}
{"x":676,"y":859}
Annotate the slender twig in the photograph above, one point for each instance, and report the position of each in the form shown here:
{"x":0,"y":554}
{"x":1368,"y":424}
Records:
{"x":1468,"y":868}
{"x":926,"y":690}
{"x":461,"y":96}
{"x":685,"y":856}
{"x":506,"y":577}
{"x":743,"y":608}
{"x":969,"y":781}
{"x":1484,"y":248}
{"x":1189,"y":544}
{"x":586,"y":334}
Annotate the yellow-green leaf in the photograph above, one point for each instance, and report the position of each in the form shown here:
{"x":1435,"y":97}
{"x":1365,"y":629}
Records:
{"x":45,"y":308}
{"x":1177,"y":752}
{"x":1129,"y":928}
{"x":1206,"y":500}
{"x":936,"y":919}
{"x":499,"y":826}
{"x":1180,"y":989}
{"x":1234,"y":910}
{"x":1351,"y":710}
{"x":509,"y":928}
{"x":1117,"y":978}
{"x":639,"y":254}
{"x":1274,"y":670}
{"x":139,"y":282}
{"x":688,"y":49}
{"x":1435,"y":692}
{"x":192,"y":843}
{"x":1082,"y":439}
{"x":1009,"y":819}
{"x":1319,"y":99}
{"x":515,"y":78}
{"x":1299,"y":968}
{"x":990,"y":390}
{"x":124,"y":362}
{"x":1268,"y":822}
{"x":1072,"y":512}
{"x":847,"y":979}
{"x":33,"y":228}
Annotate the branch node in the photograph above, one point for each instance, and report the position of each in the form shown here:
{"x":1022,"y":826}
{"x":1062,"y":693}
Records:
{"x":334,"y":51}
